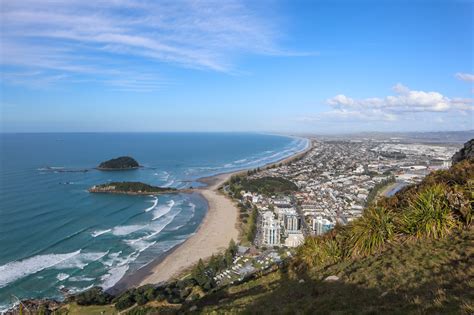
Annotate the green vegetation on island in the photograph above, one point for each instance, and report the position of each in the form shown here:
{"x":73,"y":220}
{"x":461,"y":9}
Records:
{"x":120,"y":163}
{"x":266,"y":185}
{"x":132,"y":188}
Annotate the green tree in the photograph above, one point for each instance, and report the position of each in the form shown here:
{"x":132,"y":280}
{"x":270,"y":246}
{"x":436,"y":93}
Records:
{"x":233,"y":247}
{"x":198,"y":273}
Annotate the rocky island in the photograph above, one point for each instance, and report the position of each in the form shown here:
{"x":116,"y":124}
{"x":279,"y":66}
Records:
{"x":130,"y":188}
{"x":119,"y":164}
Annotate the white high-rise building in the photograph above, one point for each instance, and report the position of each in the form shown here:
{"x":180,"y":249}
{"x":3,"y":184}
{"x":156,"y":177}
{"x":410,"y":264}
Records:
{"x":322,"y":225}
{"x":292,"y":222}
{"x":271,"y":229}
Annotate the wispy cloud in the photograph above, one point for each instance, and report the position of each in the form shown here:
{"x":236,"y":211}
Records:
{"x":403,"y":104}
{"x":465,"y":76}
{"x":90,"y":37}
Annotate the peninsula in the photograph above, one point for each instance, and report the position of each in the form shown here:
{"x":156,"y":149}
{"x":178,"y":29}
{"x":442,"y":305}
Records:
{"x":119,"y":164}
{"x":131,"y":188}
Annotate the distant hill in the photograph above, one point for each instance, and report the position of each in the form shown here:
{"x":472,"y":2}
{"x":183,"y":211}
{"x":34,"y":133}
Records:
{"x":120,"y":163}
{"x":453,"y":137}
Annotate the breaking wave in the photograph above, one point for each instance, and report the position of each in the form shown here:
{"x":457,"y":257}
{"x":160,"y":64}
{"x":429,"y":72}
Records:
{"x":15,"y":270}
{"x":123,"y":230}
{"x":100,"y":232}
{"x":155,"y":202}
{"x":162,"y":210}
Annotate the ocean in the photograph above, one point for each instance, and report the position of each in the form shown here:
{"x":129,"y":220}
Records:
{"x":57,"y":237}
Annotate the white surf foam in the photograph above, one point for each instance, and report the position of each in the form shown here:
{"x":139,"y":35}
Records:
{"x":139,"y":244}
{"x":15,"y":270}
{"x":155,"y":202}
{"x":62,"y":276}
{"x":159,"y":226}
{"x":193,"y":208}
{"x":162,"y":210}
{"x":80,"y":279}
{"x":122,"y":230}
{"x":112,"y":259}
{"x":80,"y":261}
{"x":113,"y":276}
{"x":177,"y":227}
{"x":100,"y":232}
{"x":168,"y":183}
{"x":240,"y":161}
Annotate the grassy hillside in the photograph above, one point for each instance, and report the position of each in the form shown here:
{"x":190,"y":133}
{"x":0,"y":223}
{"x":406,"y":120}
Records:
{"x":411,"y":253}
{"x":430,"y":277}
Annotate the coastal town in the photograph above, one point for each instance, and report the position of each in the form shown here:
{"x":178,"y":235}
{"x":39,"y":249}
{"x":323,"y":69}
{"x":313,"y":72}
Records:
{"x":330,"y":183}
{"x":335,"y":180}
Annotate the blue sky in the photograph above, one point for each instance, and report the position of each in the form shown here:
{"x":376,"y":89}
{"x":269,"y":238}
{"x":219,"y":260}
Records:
{"x":274,"y":66}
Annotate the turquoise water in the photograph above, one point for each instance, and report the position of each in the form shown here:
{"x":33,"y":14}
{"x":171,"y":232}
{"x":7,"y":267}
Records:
{"x":54,"y":235}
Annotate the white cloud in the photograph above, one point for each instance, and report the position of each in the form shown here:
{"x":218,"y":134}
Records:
{"x":94,"y":36}
{"x":403,"y":105}
{"x":405,"y":100}
{"x":465,"y":76}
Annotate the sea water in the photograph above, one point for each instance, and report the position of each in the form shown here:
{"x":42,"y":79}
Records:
{"x":56,"y":237}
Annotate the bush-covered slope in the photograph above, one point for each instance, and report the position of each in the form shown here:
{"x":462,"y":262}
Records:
{"x":425,"y":276}
{"x":411,"y":253}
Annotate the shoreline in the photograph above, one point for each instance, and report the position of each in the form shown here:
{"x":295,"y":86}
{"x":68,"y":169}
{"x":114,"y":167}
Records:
{"x":219,"y":226}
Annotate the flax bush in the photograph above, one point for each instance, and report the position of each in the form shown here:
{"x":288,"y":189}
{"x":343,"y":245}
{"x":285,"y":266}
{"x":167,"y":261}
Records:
{"x":371,"y":232}
{"x":429,"y":214}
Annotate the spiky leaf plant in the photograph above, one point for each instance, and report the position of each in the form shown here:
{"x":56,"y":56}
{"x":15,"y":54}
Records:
{"x":370,"y":233}
{"x":320,"y":251}
{"x":429,"y":214}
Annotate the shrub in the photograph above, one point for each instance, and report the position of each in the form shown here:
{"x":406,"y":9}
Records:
{"x":125,"y":300}
{"x":429,"y":214}
{"x":371,"y":232}
{"x":141,"y":310}
{"x":93,"y":296}
{"x":461,"y":200}
{"x":318,"y":252}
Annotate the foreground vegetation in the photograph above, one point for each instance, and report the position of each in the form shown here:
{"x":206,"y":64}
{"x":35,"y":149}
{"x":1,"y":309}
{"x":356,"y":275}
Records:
{"x":411,"y":253}
{"x":419,"y":277}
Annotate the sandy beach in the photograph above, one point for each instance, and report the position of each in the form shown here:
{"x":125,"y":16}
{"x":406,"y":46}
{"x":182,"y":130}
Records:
{"x":214,"y":234}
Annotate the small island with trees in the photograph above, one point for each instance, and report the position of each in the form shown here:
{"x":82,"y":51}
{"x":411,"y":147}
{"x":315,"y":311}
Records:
{"x":119,"y":164}
{"x":131,"y":188}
